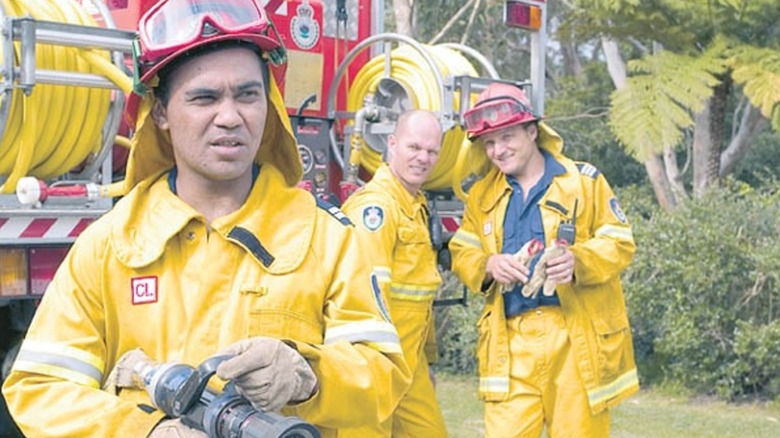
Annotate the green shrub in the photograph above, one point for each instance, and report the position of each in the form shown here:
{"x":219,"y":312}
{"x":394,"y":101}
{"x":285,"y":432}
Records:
{"x":757,"y":347}
{"x":703,"y":290}
{"x":456,"y":330}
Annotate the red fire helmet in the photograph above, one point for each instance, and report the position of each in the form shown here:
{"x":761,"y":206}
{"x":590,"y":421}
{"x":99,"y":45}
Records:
{"x":500,"y":105}
{"x":172,"y":27}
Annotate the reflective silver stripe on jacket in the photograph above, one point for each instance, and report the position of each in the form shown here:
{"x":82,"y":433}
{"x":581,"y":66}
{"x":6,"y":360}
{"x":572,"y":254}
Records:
{"x":412,"y":292}
{"x":364,"y":331}
{"x":467,"y":238}
{"x":612,"y":389}
{"x":623,"y":233}
{"x":58,"y":360}
{"x":494,"y":384}
{"x":382,"y":273}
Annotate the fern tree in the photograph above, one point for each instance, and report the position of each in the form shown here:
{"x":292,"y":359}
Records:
{"x":702,"y":76}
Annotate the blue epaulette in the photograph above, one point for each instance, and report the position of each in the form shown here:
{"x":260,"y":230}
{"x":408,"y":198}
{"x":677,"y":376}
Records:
{"x":588,"y":169}
{"x":333,"y":210}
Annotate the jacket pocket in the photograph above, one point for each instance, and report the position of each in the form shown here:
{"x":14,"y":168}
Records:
{"x":613,"y":341}
{"x":410,"y":235}
{"x":483,"y":344}
{"x":414,"y":259}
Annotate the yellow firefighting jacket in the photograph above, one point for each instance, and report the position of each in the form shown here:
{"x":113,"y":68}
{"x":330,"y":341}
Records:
{"x":151,"y":274}
{"x":394,"y":226}
{"x":593,"y":304}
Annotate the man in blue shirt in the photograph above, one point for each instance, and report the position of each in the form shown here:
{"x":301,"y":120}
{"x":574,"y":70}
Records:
{"x":561,"y":358}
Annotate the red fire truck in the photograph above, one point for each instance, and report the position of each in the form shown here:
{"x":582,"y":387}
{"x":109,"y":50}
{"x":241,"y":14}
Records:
{"x":63,"y":140}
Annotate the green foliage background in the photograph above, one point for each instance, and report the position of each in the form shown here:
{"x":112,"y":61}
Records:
{"x":704,"y":296}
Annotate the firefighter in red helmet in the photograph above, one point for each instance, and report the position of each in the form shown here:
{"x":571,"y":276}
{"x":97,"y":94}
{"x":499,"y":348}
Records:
{"x":213,"y":250}
{"x":555,"y":347}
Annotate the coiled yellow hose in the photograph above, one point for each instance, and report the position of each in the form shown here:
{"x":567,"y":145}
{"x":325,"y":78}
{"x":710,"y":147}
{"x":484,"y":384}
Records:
{"x":408,"y":68}
{"x":58,"y":126}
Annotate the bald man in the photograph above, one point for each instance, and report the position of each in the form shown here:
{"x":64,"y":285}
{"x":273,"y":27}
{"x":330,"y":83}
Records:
{"x":391,"y":216}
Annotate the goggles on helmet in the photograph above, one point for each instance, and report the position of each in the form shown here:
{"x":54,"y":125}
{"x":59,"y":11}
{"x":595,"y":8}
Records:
{"x":174,"y":25}
{"x":497,"y":112}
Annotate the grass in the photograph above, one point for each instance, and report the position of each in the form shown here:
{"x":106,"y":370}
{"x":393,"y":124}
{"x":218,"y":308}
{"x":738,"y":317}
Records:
{"x":459,"y":404}
{"x":649,"y":414}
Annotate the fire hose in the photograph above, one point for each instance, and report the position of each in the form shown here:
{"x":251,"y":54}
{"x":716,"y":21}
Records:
{"x":409,"y":70}
{"x":182,"y":391}
{"x":50,"y":129}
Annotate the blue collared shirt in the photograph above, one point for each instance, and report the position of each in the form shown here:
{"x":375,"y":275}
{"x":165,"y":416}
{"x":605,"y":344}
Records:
{"x":523,"y":222}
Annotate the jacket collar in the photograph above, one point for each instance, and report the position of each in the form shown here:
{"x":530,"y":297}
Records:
{"x":500,"y":186}
{"x":275,"y":226}
{"x":497,"y":188}
{"x":409,"y":205}
{"x":550,"y":140}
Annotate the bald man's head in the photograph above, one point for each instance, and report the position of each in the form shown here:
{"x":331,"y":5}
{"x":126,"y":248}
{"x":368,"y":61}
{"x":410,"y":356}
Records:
{"x":414,"y":148}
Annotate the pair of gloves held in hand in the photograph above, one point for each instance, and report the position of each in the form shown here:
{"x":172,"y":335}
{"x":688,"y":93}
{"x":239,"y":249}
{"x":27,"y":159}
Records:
{"x":266,"y":371}
{"x":538,"y":280}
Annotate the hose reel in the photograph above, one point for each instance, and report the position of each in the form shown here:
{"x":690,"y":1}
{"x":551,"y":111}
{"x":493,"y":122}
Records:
{"x":48,"y":129}
{"x":412,"y":75}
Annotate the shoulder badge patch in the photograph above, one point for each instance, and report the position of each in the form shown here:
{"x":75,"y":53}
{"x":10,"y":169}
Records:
{"x":617,"y":211}
{"x":588,"y":169}
{"x":373,"y":217}
{"x":332,"y":210}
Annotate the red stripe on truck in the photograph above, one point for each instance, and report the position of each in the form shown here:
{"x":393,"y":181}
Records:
{"x":38,"y":227}
{"x":80,"y":227}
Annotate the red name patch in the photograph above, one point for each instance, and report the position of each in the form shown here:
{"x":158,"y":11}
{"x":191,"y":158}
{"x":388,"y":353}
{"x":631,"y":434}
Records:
{"x":144,"y":290}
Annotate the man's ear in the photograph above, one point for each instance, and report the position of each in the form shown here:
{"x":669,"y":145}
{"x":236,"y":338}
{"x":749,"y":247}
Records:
{"x":392,"y":142}
{"x":160,"y":115}
{"x":533,"y":131}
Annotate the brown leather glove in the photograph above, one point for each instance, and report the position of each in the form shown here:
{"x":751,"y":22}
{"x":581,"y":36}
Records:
{"x":524,"y":255}
{"x":268,"y":372}
{"x":123,"y":376}
{"x":538,"y":280}
{"x":174,"y":428}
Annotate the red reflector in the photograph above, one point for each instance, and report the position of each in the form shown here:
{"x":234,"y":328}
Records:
{"x":43,"y":264}
{"x":116,"y":4}
{"x":523,"y":15}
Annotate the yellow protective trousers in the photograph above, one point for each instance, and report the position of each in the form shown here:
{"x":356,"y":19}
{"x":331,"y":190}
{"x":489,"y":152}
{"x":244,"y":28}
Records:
{"x":544,"y":384}
{"x":418,"y":414}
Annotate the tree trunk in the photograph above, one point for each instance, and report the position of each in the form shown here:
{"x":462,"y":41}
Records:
{"x":708,"y":138}
{"x":571,"y":60}
{"x":751,"y":124}
{"x":615,"y":63}
{"x":654,"y":166}
{"x":403,"y":10}
{"x":677,"y":191}
{"x":569,"y":43}
{"x":661,"y":187}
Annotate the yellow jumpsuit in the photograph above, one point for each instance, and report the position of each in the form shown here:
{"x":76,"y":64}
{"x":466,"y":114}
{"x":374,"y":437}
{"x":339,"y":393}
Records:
{"x":394,"y":227}
{"x":152,"y":274}
{"x":598,"y":347}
